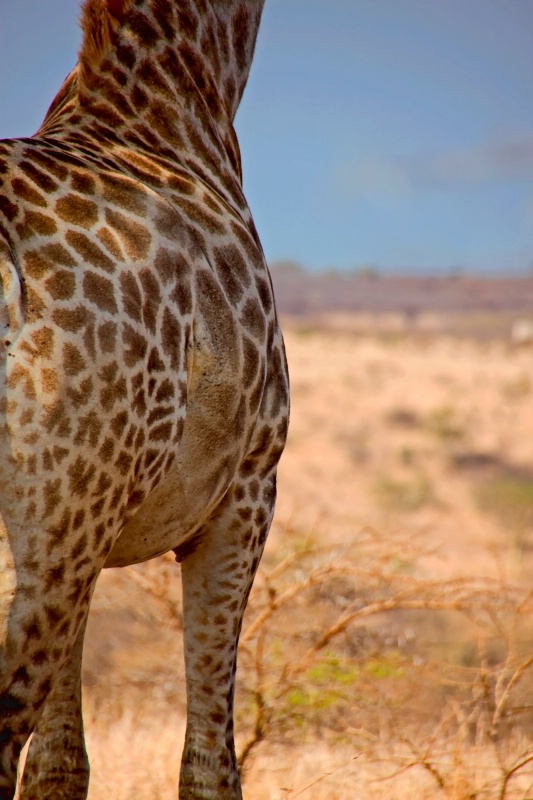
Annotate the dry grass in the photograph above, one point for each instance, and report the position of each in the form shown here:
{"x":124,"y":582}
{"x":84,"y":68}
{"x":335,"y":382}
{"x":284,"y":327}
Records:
{"x":385,"y":652}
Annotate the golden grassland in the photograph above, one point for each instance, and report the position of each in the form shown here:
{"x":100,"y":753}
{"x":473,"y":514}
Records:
{"x":386,"y":651}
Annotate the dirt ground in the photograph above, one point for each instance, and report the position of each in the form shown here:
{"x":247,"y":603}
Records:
{"x":402,"y":432}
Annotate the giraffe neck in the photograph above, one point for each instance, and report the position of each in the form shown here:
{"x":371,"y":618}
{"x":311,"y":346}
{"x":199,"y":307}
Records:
{"x":163,"y":76}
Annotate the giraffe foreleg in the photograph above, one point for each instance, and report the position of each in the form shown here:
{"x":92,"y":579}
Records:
{"x":217,"y":578}
{"x":57,"y":767}
{"x":43,"y":608}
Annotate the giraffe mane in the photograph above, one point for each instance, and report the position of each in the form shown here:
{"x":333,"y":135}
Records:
{"x":100,"y":20}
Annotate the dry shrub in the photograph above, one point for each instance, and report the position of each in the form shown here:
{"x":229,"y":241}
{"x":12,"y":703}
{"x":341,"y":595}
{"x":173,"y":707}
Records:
{"x":354,"y":648}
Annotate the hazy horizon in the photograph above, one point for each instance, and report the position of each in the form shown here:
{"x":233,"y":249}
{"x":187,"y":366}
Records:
{"x":375,"y":270}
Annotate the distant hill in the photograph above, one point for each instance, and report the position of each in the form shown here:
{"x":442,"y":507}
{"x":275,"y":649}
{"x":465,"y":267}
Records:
{"x":299,"y":292}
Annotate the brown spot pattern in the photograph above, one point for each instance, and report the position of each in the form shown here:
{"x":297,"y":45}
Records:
{"x":100,"y":291}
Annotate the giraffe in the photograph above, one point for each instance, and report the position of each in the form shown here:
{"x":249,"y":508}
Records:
{"x":143,"y":381}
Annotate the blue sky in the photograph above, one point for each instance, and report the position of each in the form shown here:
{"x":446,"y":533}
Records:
{"x":394,"y":133}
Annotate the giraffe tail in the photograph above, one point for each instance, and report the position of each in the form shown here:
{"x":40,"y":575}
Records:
{"x":11,"y":298}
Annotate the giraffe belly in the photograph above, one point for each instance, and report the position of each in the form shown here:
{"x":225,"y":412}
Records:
{"x":207,"y":459}
{"x":166,"y":519}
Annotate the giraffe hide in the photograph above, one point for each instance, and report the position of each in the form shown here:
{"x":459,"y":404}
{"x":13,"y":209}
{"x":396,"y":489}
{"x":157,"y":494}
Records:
{"x":100,"y":19}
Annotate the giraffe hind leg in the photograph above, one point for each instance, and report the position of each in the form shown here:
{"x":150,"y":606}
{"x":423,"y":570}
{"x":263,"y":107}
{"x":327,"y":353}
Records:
{"x":217,"y":578}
